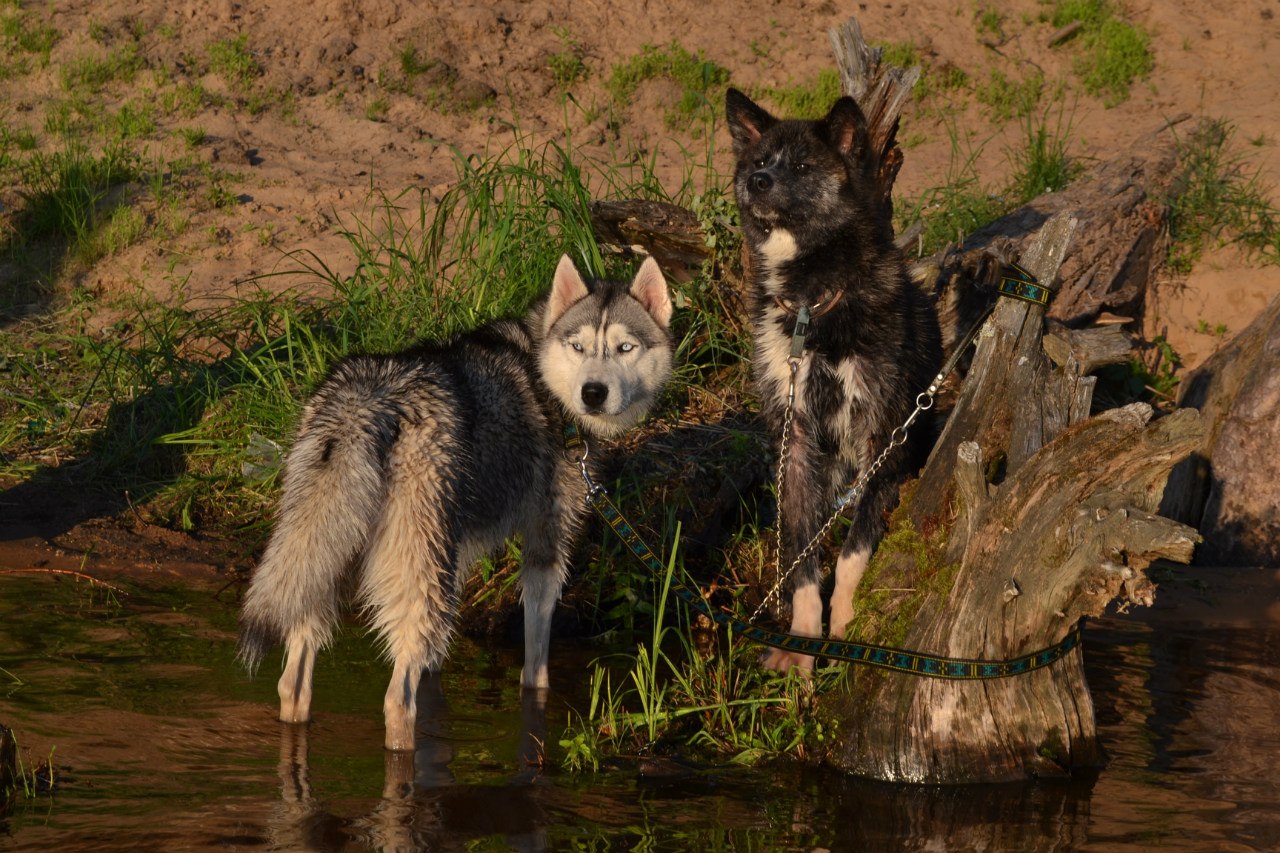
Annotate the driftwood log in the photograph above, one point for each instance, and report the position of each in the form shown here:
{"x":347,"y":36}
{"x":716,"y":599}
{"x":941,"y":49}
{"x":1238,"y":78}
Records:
{"x":1032,"y":512}
{"x":1120,"y":243}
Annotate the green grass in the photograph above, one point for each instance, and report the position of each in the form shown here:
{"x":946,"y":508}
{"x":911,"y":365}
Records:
{"x":1008,"y":99}
{"x":1218,"y":200}
{"x":1041,"y":165}
{"x":135,"y":120}
{"x":989,"y":21}
{"x":1113,"y":53}
{"x":958,"y":206}
{"x":91,"y":74}
{"x":566,"y":65}
{"x":194,"y":137}
{"x":232,"y":60}
{"x":65,"y":194}
{"x":962,"y":203}
{"x":411,"y":65}
{"x":805,"y":100}
{"x":713,"y":699}
{"x":701,"y":81}
{"x":377,"y":109}
{"x":21,"y":39}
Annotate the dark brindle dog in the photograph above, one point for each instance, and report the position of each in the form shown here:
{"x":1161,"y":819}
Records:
{"x":819,"y":242}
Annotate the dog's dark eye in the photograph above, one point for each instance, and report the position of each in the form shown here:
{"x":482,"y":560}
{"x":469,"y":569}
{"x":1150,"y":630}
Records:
{"x":801,"y":168}
{"x":626,"y":347}
{"x":760,"y":163}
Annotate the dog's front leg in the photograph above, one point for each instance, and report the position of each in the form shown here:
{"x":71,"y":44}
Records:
{"x":800,"y":512}
{"x":865,"y":530}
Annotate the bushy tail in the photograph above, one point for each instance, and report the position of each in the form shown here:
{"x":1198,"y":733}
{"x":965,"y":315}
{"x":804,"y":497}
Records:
{"x":334,"y":488}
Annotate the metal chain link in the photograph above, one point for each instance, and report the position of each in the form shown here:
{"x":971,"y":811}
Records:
{"x":897,"y":438}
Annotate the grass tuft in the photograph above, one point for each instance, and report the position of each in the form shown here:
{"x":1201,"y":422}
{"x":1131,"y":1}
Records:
{"x":1113,"y":52}
{"x":699,"y":689}
{"x":1216,"y":199}
{"x":231,"y":59}
{"x":66,"y":196}
{"x":701,"y":81}
{"x":91,"y":74}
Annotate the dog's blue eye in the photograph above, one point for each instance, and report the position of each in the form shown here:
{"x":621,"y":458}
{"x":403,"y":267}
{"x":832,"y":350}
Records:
{"x":577,"y":347}
{"x":626,"y":347}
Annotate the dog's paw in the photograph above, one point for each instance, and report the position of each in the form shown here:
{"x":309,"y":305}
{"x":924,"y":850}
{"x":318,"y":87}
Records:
{"x":783,"y":661}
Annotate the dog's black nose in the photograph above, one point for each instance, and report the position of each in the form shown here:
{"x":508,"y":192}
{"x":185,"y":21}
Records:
{"x":594,"y":394}
{"x":760,"y":181}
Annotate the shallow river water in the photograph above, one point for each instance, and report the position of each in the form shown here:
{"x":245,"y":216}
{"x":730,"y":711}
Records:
{"x":161,"y":743}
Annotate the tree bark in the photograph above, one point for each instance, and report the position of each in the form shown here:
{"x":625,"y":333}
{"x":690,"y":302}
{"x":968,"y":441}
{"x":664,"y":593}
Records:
{"x":668,"y":232}
{"x":1230,"y":487}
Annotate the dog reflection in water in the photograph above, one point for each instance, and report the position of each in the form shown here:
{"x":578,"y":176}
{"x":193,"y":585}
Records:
{"x":422,"y":807}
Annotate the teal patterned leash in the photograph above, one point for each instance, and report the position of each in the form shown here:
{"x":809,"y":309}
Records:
{"x":885,"y":657}
{"x":1016,"y":283}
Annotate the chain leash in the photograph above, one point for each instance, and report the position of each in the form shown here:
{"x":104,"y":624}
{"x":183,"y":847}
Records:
{"x":897,"y":438}
{"x":1020,"y":284}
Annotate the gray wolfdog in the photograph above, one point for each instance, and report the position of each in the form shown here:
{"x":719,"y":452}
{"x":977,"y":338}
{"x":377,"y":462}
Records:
{"x":409,"y":467}
{"x":804,"y":193}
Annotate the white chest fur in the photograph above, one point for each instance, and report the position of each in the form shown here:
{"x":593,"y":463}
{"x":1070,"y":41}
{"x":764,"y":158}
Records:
{"x":778,"y":248}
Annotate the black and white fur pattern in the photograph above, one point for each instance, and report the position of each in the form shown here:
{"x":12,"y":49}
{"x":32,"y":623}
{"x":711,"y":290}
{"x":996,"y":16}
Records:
{"x":408,"y":467}
{"x":805,"y":195}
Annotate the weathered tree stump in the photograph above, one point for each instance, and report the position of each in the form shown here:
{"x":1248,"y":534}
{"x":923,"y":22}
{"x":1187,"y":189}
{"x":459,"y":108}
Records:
{"x":1028,"y":517}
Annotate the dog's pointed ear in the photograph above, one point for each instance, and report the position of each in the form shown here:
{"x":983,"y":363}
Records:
{"x":847,"y":128}
{"x":567,"y":287}
{"x":747,"y":120}
{"x":650,"y":289}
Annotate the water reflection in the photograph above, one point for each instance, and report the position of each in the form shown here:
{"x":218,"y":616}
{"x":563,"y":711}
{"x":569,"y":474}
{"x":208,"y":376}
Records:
{"x":166,"y":745}
{"x":422,"y":806}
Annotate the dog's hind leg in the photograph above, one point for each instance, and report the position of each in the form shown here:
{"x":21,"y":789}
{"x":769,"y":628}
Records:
{"x":408,"y":588}
{"x":332,"y":490}
{"x":542,"y":576}
{"x":294,"y":686}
